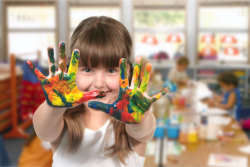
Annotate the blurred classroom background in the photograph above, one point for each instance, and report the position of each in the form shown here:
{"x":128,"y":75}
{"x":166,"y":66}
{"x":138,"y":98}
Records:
{"x":203,"y":42}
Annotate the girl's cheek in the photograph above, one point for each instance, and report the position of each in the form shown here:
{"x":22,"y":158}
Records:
{"x":82,"y":82}
{"x":113,"y":82}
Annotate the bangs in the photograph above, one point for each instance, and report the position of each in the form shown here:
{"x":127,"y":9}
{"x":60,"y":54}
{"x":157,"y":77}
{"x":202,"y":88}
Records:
{"x":103,"y":45}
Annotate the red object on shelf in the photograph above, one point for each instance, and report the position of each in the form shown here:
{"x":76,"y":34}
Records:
{"x":174,"y":38}
{"x":207,"y":39}
{"x":231,"y":51}
{"x":208,"y":51}
{"x":32,"y":97}
{"x":230,"y":39}
{"x":150,"y":39}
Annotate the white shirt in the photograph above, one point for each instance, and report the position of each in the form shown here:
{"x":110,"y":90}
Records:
{"x":174,"y":74}
{"x":90,"y":152}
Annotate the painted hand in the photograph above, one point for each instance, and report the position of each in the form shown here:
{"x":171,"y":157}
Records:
{"x":132,"y":103}
{"x":59,"y":87}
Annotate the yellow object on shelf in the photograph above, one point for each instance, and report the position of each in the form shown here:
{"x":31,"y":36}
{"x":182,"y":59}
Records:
{"x":239,"y":73}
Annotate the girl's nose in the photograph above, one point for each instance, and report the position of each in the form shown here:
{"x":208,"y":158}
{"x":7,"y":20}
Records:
{"x":99,"y":81}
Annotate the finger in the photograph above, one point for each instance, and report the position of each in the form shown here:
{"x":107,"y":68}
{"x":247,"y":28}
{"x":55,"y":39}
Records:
{"x":92,"y":95}
{"x":158,"y":95}
{"x":73,"y":67}
{"x":100,"y":106}
{"x":144,"y":84}
{"x":123,"y":81}
{"x":52,"y":67}
{"x":35,"y":71}
{"x":62,"y":59}
{"x":136,"y":72}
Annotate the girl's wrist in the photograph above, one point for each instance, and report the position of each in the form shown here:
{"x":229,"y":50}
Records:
{"x":143,"y":129}
{"x":54,"y":109}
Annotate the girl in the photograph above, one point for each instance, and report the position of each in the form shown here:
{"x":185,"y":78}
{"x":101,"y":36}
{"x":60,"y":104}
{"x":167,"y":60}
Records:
{"x":231,"y":101}
{"x":70,"y":118}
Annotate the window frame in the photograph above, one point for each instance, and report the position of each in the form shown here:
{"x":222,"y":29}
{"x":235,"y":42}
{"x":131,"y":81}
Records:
{"x":177,"y":5}
{"x":7,"y":4}
{"x":222,"y":4}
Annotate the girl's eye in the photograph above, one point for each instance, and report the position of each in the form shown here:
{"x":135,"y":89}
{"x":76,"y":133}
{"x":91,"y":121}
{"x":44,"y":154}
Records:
{"x":111,"y":71}
{"x":87,"y":70}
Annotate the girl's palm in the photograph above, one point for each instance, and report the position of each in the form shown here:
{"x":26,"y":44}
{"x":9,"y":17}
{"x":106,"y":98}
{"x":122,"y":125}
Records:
{"x":132,"y":102}
{"x":59,"y":87}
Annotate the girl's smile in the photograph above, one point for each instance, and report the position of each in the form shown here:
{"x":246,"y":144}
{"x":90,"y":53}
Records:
{"x":101,"y":78}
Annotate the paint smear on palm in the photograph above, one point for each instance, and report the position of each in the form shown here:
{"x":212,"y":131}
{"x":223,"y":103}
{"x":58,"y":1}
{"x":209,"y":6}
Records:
{"x":74,"y":62}
{"x":136,"y":74}
{"x":62,"y":60}
{"x":123,"y":80}
{"x":64,"y":92}
{"x":129,"y":109}
{"x":52,"y":61}
{"x":144,"y":83}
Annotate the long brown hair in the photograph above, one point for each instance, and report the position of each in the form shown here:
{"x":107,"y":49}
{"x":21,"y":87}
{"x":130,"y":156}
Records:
{"x":101,"y":41}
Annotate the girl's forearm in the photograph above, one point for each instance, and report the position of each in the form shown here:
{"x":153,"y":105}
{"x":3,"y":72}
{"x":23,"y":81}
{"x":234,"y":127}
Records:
{"x":143,"y":131}
{"x":48,"y":122}
{"x":224,"y":106}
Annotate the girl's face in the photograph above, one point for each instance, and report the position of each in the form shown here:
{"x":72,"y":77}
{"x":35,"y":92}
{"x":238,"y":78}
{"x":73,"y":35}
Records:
{"x":226,"y":87}
{"x":105,"y":79}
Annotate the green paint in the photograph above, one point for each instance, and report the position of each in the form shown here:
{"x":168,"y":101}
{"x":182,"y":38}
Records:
{"x":62,"y":67}
{"x":136,"y":74}
{"x":51,"y":55}
{"x":53,"y":69}
{"x":75,"y":58}
{"x":144,"y":83}
{"x":62,"y":50}
{"x":45,"y":82}
{"x":123,"y":71}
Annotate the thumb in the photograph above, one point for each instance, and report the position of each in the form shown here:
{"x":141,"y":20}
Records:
{"x":100,"y":106}
{"x":92,"y":95}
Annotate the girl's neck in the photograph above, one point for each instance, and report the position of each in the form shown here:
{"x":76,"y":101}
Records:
{"x":94,"y":119}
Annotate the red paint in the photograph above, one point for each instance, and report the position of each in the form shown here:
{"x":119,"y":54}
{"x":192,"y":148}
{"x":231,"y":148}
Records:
{"x":122,"y":104}
{"x":92,"y":95}
{"x":126,"y":117}
{"x":111,"y":111}
{"x":39,"y":74}
{"x":30,"y":64}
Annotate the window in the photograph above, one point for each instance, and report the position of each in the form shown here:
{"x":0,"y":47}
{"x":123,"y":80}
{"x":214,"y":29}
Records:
{"x":79,"y":13}
{"x":159,"y":30}
{"x":31,"y":29}
{"x":223,"y":33}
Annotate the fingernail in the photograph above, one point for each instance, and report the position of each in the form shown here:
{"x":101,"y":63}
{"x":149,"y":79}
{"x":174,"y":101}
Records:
{"x":76,"y":54}
{"x":29,"y":63}
{"x":62,"y":47}
{"x":148,"y":67}
{"x":168,"y":87}
{"x":62,"y":43}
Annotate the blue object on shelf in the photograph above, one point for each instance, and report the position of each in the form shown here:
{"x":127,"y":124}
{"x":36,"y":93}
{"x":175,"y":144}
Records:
{"x":167,"y":123}
{"x":159,"y":120}
{"x":159,"y":132}
{"x":173,"y":86}
{"x":173,"y":131}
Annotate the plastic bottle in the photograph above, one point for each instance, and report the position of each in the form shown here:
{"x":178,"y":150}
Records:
{"x":204,"y":119}
{"x":203,"y":126}
{"x":192,"y":135}
{"x":183,"y":137}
